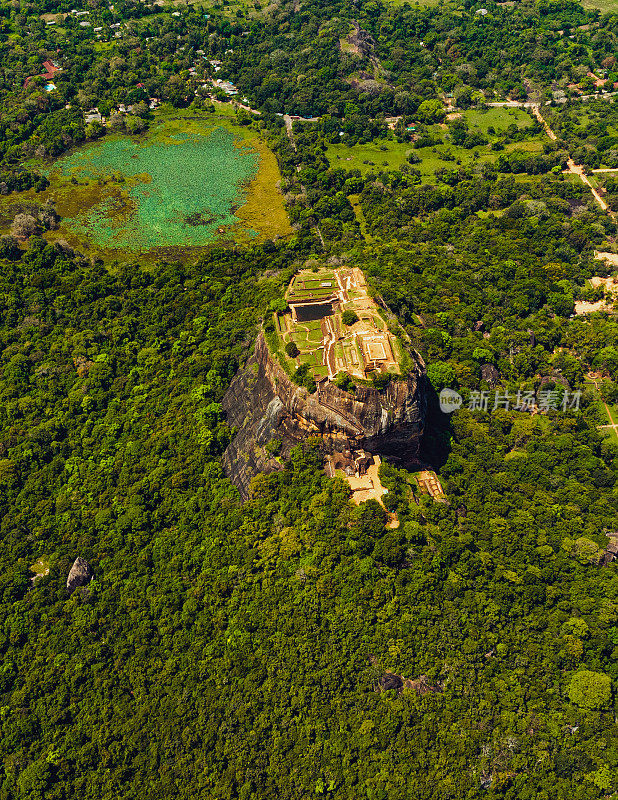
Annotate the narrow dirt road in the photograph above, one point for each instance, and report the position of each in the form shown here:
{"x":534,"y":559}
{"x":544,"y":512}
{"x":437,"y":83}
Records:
{"x":577,"y":169}
{"x":612,"y":424}
{"x":288,"y":126}
{"x":574,"y":169}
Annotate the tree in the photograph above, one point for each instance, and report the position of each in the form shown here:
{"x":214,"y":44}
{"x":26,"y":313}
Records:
{"x":463,"y":96}
{"x":175,"y":91}
{"x":590,"y":690}
{"x":95,"y":130}
{"x":134,"y":124}
{"x":291,"y":349}
{"x":440,"y":374}
{"x":561,"y":304}
{"x":116,"y":122}
{"x":304,"y":377}
{"x":9,"y":248}
{"x":431,"y":111}
{"x":344,"y":381}
{"x":141,"y":109}
{"x":349,"y":317}
{"x":279,"y":305}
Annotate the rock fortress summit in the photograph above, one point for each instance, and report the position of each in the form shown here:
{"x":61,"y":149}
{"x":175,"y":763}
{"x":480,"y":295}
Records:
{"x":331,"y":366}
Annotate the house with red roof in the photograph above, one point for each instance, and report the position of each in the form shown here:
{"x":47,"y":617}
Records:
{"x":50,"y":69}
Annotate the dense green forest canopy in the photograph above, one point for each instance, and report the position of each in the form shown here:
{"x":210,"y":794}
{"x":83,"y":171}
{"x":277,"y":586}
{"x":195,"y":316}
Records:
{"x":216,"y":635}
{"x":294,"y":646}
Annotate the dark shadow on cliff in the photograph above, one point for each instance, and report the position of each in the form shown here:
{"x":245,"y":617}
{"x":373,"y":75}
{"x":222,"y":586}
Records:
{"x":436,"y":441}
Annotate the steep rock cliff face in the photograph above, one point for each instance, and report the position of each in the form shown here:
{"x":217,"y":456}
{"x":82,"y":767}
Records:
{"x":263,"y":404}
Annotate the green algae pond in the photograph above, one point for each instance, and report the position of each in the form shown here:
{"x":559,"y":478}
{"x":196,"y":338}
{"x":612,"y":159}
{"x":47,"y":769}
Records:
{"x":176,"y":192}
{"x":186,"y":183}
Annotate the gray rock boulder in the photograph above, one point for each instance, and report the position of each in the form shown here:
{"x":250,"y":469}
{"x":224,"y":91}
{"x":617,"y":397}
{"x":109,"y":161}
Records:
{"x":80,"y":574}
{"x":263,"y":404}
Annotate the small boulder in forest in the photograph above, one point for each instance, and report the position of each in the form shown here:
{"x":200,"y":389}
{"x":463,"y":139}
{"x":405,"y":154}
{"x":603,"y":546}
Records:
{"x":80,"y":574}
{"x":391,"y":681}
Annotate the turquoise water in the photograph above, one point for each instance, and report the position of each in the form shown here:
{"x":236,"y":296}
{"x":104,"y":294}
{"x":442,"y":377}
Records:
{"x":180,"y":190}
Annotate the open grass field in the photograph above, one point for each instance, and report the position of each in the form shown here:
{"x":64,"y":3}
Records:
{"x":389,"y":154}
{"x":191,"y":179}
{"x":360,"y":217}
{"x":498,"y":118}
{"x":605,"y":6}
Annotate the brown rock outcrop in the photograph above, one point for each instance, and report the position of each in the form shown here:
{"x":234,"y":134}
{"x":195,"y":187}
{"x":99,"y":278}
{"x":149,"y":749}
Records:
{"x":263,"y":404}
{"x":80,"y":574}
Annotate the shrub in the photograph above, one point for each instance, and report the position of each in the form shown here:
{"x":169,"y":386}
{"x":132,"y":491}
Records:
{"x":344,"y":381}
{"x":273,"y":447}
{"x":380,"y":379}
{"x":349,"y":318}
{"x":291,"y":349}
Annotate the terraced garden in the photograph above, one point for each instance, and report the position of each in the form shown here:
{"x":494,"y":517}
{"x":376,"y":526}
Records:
{"x":315,"y":332}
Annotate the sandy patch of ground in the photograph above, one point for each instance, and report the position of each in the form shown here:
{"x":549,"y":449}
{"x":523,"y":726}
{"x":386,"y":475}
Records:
{"x":582,"y":307}
{"x":610,"y":286}
{"x":612,"y":258}
{"x":368,"y":486}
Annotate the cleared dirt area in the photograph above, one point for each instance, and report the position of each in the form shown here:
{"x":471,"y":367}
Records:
{"x":609,"y":285}
{"x":584,"y":307}
{"x":368,"y":486}
{"x":429,"y":482}
{"x":611,"y":258}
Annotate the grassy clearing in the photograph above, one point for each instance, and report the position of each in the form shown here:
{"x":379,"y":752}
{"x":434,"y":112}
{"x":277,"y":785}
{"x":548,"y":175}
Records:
{"x":360,"y":217}
{"x":608,"y":414}
{"x":389,"y":154}
{"x":100,"y":47}
{"x":40,"y":568}
{"x":499,"y":118}
{"x":612,"y":435}
{"x":347,"y":47}
{"x":605,"y":6}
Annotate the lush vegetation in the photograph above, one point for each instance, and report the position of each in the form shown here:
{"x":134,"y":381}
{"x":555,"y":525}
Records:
{"x":295,"y":646}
